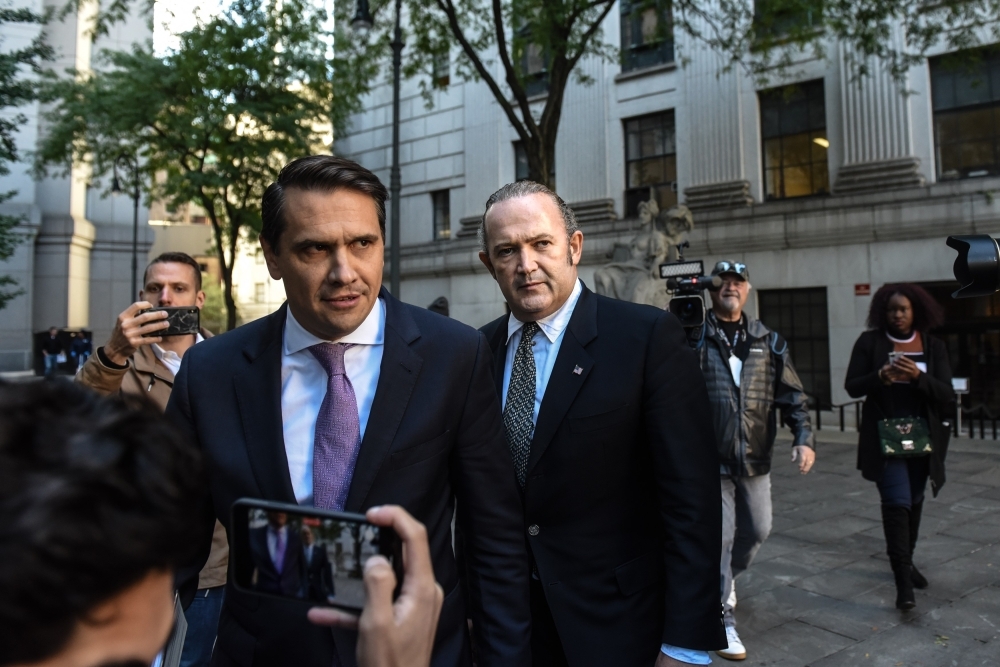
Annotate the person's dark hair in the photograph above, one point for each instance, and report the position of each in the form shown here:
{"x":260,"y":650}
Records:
{"x":324,"y":173}
{"x":927,"y":313}
{"x":523,"y":189}
{"x":95,"y":494}
{"x":178,"y":258}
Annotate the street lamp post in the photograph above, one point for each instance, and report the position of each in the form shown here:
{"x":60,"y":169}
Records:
{"x":362,"y":22}
{"x":133,"y":166}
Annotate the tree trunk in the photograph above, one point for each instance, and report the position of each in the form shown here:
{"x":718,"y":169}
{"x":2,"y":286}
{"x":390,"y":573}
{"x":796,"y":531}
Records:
{"x":226,"y":267}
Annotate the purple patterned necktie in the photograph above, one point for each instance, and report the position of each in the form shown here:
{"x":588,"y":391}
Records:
{"x":338,"y":431}
{"x":279,"y":551}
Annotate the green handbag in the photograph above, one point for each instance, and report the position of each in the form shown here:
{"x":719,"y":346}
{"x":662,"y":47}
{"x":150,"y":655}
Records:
{"x":904,"y":437}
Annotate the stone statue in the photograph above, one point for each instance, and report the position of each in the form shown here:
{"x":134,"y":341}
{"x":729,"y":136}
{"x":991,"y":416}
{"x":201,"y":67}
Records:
{"x":637,"y":279}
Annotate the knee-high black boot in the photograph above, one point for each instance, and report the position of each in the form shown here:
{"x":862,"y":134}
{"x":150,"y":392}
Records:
{"x":919,"y":581}
{"x":896,"y":524}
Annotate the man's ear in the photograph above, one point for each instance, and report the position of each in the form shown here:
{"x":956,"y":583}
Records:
{"x":485,"y":259}
{"x":199,"y":300}
{"x":271,"y":259}
{"x":576,"y":247}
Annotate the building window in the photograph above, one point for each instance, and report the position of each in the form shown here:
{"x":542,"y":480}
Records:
{"x":521,"y":165}
{"x":966,"y":102}
{"x":800,"y":317}
{"x":650,"y":161}
{"x":258,"y":293}
{"x":532,"y":61}
{"x":258,"y":256}
{"x":779,"y":20}
{"x":441,"y":201}
{"x":647,"y":33}
{"x":442,"y":70}
{"x":793,"y":128}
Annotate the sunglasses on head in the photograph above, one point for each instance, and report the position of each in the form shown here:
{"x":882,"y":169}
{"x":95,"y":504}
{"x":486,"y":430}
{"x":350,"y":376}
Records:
{"x":731,"y":267}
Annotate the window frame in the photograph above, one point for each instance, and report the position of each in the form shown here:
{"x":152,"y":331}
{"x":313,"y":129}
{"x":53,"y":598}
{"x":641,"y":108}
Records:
{"x":987,"y":61}
{"x":637,"y":56}
{"x":639,"y":193}
{"x":813,"y":84}
{"x":441,"y":227}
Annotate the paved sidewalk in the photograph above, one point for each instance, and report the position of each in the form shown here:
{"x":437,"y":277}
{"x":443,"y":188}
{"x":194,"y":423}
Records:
{"x":821,"y":593}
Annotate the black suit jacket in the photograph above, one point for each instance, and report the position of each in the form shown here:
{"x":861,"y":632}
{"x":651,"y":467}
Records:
{"x":434,"y":434}
{"x":288,"y":582}
{"x":623,"y":486}
{"x":319,"y":575}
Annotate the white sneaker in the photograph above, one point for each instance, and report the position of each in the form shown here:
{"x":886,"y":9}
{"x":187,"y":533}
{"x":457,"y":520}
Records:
{"x":732,"y":596}
{"x":735,"y":650}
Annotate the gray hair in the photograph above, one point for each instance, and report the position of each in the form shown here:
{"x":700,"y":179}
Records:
{"x":523,"y":189}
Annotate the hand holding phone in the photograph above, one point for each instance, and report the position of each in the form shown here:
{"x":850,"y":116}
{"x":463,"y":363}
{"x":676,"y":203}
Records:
{"x":400,"y":633}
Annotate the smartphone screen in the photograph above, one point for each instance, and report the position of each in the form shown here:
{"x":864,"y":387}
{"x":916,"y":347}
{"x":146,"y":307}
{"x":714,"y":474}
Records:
{"x":303,"y":553}
{"x":181,"y":320}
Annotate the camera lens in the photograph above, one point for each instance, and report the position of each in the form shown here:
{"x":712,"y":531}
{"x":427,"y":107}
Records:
{"x":977,"y":267}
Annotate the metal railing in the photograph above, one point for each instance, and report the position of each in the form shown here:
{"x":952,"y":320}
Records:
{"x":984,"y":417}
{"x":818,"y":408}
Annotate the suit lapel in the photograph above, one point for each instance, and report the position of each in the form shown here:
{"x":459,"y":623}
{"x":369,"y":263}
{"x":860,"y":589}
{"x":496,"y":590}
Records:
{"x":258,"y":391}
{"x":573,"y":365}
{"x":397,"y":376}
{"x":499,"y":346}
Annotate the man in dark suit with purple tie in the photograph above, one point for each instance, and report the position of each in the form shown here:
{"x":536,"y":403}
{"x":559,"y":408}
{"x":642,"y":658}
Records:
{"x":346,"y":398}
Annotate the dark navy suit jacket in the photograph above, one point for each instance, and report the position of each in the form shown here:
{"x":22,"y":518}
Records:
{"x":434,"y":434}
{"x":623,"y":487}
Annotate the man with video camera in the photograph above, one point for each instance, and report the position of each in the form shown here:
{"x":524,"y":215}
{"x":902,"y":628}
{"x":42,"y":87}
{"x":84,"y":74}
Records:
{"x":136,"y":360}
{"x":750,"y":378}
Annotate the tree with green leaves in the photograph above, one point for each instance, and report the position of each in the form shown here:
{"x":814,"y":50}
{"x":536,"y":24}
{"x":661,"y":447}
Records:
{"x":539,"y":43}
{"x":212,"y":122}
{"x":16,"y":90}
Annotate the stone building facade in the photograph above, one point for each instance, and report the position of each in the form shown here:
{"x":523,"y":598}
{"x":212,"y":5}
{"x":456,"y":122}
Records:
{"x":826,"y":189}
{"x":74,"y":263}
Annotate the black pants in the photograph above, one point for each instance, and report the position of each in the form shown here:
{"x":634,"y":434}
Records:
{"x":546,"y":647}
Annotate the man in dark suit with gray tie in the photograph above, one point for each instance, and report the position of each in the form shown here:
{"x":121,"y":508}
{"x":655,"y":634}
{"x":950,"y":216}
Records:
{"x":610,"y":429}
{"x":346,"y":398}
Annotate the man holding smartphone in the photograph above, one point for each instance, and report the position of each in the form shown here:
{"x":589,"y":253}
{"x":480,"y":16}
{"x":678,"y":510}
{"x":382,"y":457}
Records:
{"x":136,"y":360}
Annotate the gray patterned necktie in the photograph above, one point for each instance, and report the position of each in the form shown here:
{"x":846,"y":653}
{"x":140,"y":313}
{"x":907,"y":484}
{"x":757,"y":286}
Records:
{"x":521,"y":402}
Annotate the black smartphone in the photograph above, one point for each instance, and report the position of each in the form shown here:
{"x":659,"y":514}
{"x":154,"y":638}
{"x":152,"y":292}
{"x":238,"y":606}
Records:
{"x":303,"y":553}
{"x":181,"y":320}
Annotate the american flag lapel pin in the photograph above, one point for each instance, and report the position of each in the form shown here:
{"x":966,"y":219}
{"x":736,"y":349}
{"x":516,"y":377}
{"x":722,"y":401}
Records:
{"x":577,"y":370}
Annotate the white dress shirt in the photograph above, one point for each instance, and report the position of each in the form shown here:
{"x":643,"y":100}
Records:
{"x":303,"y":388}
{"x":171,"y":359}
{"x":545,"y":349}
{"x":545,"y":346}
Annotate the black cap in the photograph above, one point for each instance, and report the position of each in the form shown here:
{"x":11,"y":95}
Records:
{"x":737,"y":268}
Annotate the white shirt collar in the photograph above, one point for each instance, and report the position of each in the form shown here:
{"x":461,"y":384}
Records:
{"x":162,"y":354}
{"x":370,"y":332}
{"x":553,"y":325}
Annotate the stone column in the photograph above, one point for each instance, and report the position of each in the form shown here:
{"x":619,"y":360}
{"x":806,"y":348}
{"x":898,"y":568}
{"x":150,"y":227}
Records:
{"x":877,"y":130}
{"x":61,"y":290}
{"x":714,"y":128}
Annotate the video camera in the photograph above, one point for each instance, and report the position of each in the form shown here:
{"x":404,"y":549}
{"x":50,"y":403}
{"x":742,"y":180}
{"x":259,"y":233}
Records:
{"x":977,"y":267}
{"x":685,"y":281}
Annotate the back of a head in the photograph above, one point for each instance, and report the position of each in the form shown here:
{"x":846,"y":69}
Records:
{"x":95,"y":493}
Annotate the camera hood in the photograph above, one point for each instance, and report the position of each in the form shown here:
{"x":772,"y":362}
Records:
{"x":977,"y":267}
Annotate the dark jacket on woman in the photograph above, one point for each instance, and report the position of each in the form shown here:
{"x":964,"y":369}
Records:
{"x":745,"y":417}
{"x":871,"y":352}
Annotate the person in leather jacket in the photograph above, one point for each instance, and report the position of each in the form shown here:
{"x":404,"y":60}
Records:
{"x":750,"y":381}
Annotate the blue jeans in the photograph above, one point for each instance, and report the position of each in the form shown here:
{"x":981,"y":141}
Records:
{"x":746,"y":523}
{"x":203,"y":624}
{"x":903,"y":481}
{"x":51,"y":365}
